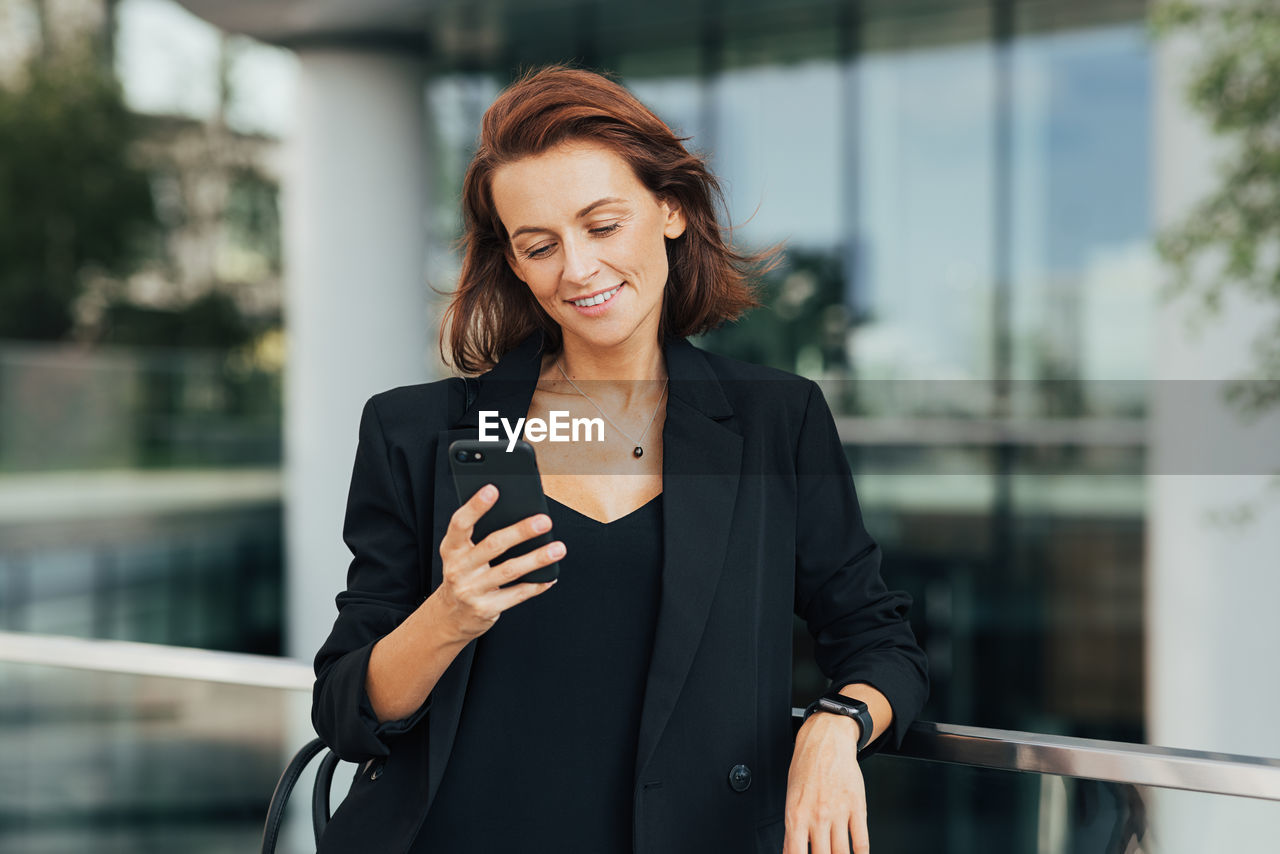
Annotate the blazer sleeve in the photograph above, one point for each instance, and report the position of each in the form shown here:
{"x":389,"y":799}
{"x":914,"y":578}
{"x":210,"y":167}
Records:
{"x":859,"y":627}
{"x":384,"y":586}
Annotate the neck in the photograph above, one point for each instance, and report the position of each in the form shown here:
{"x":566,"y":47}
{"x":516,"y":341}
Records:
{"x":617,"y":379}
{"x":628,"y":362}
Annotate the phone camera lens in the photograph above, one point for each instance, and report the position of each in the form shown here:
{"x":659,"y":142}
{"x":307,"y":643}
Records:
{"x":460,"y":456}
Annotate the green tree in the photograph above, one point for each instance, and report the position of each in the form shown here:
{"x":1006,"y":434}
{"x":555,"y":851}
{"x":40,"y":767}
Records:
{"x":1230,"y":241}
{"x":71,"y":201}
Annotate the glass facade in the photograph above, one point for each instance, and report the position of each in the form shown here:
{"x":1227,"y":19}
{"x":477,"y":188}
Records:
{"x":140,"y":497}
{"x":141,"y":446}
{"x":963,"y":195}
{"x":980,"y":809}
{"x":119,"y":764}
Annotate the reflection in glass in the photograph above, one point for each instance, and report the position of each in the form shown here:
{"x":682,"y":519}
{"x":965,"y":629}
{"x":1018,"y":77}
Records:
{"x":958,"y":809}
{"x":113,"y":763}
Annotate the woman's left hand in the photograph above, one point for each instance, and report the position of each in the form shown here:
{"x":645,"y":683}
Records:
{"x":826,"y":798}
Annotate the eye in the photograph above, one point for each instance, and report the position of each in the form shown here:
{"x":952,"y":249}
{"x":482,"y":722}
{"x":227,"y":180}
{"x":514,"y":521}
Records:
{"x":541,"y":252}
{"x":606,"y":230}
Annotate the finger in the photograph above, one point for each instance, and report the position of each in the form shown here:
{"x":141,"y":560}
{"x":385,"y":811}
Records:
{"x":508,"y":597}
{"x":859,"y":835}
{"x":515,"y":567}
{"x":512,"y":535}
{"x":820,"y":838}
{"x":463,"y":521}
{"x":840,"y":840}
{"x":796,"y":840}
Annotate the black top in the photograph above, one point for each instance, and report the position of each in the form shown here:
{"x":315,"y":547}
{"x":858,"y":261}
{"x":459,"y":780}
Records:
{"x":544,"y":757}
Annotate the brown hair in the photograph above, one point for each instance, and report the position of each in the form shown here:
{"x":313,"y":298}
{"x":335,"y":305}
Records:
{"x":492,"y":311}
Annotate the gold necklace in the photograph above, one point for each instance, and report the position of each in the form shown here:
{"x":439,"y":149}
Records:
{"x":638,"y":451}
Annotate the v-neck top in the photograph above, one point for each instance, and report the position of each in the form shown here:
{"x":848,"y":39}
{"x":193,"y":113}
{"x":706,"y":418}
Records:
{"x":544,"y":757}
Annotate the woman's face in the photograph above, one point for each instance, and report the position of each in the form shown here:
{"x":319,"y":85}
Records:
{"x":583,"y":227}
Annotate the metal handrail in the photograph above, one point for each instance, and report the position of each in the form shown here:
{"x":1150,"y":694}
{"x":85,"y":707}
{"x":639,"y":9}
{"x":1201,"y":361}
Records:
{"x":150,"y":659}
{"x":1002,"y":750}
{"x":1111,"y":761}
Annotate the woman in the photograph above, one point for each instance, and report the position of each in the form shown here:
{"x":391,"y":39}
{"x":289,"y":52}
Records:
{"x":642,"y":701}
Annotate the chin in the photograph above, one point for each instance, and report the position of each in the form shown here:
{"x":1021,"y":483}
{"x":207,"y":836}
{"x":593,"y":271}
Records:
{"x":600,"y":339}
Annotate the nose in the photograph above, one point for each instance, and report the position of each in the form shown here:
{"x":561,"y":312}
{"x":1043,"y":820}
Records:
{"x":580,"y":262}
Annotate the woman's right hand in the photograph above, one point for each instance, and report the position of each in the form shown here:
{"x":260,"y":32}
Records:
{"x":471,"y":594}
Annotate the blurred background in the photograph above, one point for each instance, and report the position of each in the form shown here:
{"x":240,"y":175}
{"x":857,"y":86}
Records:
{"x":1033,"y":256}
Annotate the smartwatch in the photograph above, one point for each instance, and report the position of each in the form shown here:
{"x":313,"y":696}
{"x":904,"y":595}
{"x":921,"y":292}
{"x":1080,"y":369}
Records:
{"x":835,"y":702}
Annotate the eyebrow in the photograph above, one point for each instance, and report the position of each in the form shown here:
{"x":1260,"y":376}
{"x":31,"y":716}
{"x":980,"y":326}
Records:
{"x":608,"y":200}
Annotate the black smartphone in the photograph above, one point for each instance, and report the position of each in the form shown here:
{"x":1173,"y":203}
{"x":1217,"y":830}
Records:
{"x":515,"y":473}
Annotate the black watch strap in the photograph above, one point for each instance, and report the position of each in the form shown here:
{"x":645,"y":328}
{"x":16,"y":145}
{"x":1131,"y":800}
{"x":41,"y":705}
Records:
{"x":836,"y":703}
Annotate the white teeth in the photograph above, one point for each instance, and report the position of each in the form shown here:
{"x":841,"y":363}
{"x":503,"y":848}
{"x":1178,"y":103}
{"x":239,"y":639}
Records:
{"x":597,"y":299}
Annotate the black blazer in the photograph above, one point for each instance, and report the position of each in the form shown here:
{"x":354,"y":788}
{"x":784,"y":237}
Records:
{"x":760,"y":520}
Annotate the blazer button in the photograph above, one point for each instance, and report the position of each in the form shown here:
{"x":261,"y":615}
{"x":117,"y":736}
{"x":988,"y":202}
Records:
{"x":739,"y":778}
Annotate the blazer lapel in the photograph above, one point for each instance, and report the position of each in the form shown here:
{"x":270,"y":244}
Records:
{"x":702,"y":460}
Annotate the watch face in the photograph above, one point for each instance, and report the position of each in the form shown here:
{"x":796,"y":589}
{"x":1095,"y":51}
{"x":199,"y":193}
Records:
{"x":844,"y":702}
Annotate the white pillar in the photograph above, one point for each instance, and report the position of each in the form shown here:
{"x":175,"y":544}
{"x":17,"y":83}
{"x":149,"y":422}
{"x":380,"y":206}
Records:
{"x":1212,"y":584}
{"x":357,"y":317}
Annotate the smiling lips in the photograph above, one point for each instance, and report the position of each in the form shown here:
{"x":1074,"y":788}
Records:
{"x":598,"y":299}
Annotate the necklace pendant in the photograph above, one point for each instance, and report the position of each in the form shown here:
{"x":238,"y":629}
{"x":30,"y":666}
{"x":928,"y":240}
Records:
{"x":638,"y":452}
